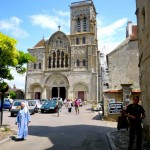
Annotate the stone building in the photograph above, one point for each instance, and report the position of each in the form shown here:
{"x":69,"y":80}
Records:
{"x":123,"y":71}
{"x":19,"y":93}
{"x":143,"y":22}
{"x":67,"y":65}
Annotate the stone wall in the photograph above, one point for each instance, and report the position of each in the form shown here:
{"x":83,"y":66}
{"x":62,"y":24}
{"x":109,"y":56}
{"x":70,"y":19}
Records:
{"x":143,"y":21}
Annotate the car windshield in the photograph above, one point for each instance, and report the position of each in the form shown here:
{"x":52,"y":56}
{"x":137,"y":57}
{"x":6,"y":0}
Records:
{"x":50,"y":102}
{"x":32,"y":102}
{"x":17,"y":104}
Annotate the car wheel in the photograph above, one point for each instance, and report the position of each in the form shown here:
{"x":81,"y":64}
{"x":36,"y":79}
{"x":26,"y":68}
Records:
{"x":12,"y":115}
{"x":42,"y":111}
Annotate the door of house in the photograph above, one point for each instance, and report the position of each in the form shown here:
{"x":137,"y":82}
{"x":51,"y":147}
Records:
{"x":81,"y":95}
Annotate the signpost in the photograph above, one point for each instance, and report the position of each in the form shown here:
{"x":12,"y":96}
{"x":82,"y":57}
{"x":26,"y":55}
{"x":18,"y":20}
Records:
{"x":115,"y":108}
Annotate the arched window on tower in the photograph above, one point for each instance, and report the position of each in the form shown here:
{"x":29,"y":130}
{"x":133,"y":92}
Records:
{"x":62,"y":59}
{"x":49,"y":63}
{"x":77,"y":41}
{"x":40,"y":66}
{"x":84,"y":24}
{"x":78,"y":25}
{"x":78,"y":63}
{"x":66,"y":60}
{"x":83,"y":40}
{"x":34,"y":65}
{"x":54,"y":59}
{"x":58,"y":58}
{"x":84,"y":62}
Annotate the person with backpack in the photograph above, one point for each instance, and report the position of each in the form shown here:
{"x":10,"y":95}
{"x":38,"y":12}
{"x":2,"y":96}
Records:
{"x":77,"y":105}
{"x":59,"y":105}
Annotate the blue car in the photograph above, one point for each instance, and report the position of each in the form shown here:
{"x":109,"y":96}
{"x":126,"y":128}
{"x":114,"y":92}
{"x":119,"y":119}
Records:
{"x":49,"y":106}
{"x":7,"y":104}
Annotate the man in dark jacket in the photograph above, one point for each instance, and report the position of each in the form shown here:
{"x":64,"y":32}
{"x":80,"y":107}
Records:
{"x":135,"y":114}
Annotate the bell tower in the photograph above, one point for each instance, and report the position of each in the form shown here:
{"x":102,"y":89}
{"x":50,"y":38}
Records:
{"x":83,"y":18}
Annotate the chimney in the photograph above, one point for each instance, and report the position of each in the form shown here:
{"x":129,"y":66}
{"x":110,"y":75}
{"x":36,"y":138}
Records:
{"x":129,"y":29}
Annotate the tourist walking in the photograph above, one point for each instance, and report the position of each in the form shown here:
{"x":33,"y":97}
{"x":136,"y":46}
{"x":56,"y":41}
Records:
{"x":59,"y":106}
{"x":69,"y":105}
{"x":77,"y":105}
{"x":135,"y":114}
{"x":22,"y":120}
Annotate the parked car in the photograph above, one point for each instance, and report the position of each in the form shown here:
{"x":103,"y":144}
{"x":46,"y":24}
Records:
{"x":33,"y":104}
{"x":7,"y":104}
{"x":16,"y":106}
{"x":43,"y":101}
{"x":50,"y":106}
{"x":36,"y":103}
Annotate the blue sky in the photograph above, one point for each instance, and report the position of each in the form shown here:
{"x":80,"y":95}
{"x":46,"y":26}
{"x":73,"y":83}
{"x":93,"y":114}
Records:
{"x":28,"y":21}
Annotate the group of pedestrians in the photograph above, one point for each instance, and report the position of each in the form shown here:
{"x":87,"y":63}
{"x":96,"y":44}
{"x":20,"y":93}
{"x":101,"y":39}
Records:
{"x":68,"y":104}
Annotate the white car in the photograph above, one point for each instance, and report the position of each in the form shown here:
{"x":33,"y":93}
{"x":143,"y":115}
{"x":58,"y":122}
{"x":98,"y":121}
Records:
{"x":38,"y":103}
{"x":16,"y":106}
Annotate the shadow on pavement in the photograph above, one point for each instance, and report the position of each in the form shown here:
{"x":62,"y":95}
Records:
{"x":73,"y":137}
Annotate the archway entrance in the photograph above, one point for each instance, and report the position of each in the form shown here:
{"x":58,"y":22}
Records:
{"x":62,"y":92}
{"x":54,"y":92}
{"x":37,"y":95}
{"x":81,"y":95}
{"x":59,"y":92}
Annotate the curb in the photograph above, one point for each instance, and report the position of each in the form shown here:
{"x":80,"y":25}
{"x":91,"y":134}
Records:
{"x":111,"y":143}
{"x":5,"y":140}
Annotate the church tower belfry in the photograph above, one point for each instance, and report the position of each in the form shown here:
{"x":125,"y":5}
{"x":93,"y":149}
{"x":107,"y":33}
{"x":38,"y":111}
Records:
{"x":83,"y":18}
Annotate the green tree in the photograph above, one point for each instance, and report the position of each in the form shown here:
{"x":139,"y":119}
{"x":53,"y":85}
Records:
{"x":11,"y":58}
{"x":12,"y":94}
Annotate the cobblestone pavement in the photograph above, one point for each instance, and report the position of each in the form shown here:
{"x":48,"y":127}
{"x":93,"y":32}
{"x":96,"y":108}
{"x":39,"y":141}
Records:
{"x":119,"y":141}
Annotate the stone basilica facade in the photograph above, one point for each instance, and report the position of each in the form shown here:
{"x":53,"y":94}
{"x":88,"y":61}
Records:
{"x":67,"y":65}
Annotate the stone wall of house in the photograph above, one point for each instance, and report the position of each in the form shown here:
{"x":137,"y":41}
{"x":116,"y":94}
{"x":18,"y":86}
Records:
{"x":143,"y":21}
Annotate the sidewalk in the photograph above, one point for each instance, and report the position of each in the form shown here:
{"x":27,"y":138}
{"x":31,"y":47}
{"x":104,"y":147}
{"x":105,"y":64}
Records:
{"x":118,"y":140}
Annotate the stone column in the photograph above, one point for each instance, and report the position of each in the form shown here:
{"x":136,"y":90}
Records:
{"x":44,"y":93}
{"x":127,"y":91}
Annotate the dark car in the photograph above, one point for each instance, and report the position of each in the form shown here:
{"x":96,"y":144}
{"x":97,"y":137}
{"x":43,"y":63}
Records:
{"x":49,"y":106}
{"x":7,"y":104}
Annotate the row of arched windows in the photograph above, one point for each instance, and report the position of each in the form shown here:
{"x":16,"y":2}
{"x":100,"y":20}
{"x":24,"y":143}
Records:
{"x":81,"y":63}
{"x":78,"y":41}
{"x":58,"y":60}
{"x":39,"y":66}
{"x":83,"y":24}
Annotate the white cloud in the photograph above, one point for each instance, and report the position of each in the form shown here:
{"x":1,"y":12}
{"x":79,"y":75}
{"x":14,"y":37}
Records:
{"x":49,"y":22}
{"x":61,"y":13}
{"x":108,"y":36}
{"x":12,"y":26}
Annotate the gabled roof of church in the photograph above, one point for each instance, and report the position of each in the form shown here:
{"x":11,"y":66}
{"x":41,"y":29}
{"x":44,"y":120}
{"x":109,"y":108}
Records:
{"x":40,"y":43}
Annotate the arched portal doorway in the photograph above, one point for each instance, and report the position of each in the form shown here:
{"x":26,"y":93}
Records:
{"x":59,"y":92}
{"x":62,"y":92}
{"x":54,"y":92}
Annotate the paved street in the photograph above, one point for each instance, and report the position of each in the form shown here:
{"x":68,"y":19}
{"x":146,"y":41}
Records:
{"x":67,"y":132}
